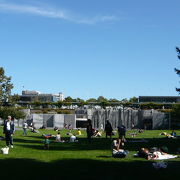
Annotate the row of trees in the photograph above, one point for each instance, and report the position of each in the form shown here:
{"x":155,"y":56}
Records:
{"x":100,"y":99}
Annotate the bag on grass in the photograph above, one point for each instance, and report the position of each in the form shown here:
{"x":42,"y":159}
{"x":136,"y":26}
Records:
{"x":5,"y":150}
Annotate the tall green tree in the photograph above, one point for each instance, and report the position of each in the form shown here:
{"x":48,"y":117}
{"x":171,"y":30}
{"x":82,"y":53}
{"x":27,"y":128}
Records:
{"x":102,"y":99}
{"x":69,"y":99}
{"x":5,"y":87}
{"x":133,"y":100}
{"x":178,"y":70}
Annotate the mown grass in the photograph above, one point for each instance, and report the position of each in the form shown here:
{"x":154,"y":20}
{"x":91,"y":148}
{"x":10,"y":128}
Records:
{"x":82,"y":160}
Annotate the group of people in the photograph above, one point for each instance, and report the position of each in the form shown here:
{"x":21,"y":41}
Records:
{"x":117,"y":144}
{"x":58,"y":138}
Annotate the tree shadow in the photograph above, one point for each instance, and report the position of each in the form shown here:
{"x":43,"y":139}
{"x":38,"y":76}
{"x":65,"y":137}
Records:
{"x":85,"y":169}
{"x":100,"y":144}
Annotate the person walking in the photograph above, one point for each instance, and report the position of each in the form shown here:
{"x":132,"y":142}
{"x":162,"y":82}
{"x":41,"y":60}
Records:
{"x":25,"y":126}
{"x":8,"y":130}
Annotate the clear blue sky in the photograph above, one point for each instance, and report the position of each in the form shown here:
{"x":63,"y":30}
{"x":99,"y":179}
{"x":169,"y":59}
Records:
{"x":88,"y":48}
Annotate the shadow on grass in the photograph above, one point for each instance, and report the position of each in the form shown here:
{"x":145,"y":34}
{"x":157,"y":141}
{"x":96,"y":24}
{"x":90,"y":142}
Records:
{"x":85,"y":169}
{"x":100,"y":144}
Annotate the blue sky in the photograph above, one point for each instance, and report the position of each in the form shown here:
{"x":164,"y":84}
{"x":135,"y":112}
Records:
{"x":90,"y":48}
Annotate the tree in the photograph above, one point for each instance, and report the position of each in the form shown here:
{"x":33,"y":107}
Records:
{"x":11,"y":111}
{"x":175,"y":116}
{"x":102,"y":99}
{"x":177,"y":70}
{"x":133,"y":100}
{"x":14,"y":99}
{"x":91,"y":100}
{"x":5,"y":87}
{"x":69,"y":99}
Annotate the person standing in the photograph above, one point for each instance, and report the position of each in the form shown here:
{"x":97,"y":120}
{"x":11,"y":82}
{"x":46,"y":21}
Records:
{"x":122,"y":132}
{"x":8,"y":130}
{"x":89,"y":130}
{"x":108,"y":129}
{"x":25,"y":126}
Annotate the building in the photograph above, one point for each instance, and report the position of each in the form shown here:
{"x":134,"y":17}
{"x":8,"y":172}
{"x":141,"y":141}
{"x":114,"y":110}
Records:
{"x":159,"y":99}
{"x":32,"y":96}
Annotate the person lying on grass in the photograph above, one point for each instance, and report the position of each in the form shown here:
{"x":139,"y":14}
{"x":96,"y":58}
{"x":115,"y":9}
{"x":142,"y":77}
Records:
{"x":153,"y":153}
{"x":168,"y":135}
{"x":117,"y":148}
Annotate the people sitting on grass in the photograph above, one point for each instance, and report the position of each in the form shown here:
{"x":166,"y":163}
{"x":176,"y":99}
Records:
{"x":79,"y":132}
{"x":33,"y":128}
{"x":97,"y":133}
{"x":118,"y":148}
{"x":73,"y":138}
{"x":134,"y":134}
{"x":173,"y":133}
{"x":56,"y":129}
{"x":140,"y":130}
{"x":58,"y":137}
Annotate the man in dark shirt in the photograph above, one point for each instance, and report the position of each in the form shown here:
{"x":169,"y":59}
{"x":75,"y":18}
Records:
{"x":8,"y":130}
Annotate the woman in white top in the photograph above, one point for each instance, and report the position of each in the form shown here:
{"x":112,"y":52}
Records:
{"x":58,"y":137}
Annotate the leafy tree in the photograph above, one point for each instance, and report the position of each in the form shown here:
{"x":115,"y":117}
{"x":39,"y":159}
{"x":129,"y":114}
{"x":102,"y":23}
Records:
{"x":69,"y":99}
{"x":5,"y":87}
{"x":14,"y":99}
{"x":177,"y":70}
{"x":113,"y":100}
{"x":133,"y":100}
{"x":125,"y":100}
{"x":91,"y":100}
{"x":175,"y":113}
{"x":59,"y":104}
{"x":11,"y":111}
{"x":102,"y":99}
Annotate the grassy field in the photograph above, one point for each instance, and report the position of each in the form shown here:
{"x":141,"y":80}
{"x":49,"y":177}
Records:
{"x":81,"y":160}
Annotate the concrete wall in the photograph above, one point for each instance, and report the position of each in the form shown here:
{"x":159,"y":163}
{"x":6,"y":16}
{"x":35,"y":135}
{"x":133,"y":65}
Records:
{"x":129,"y":117}
{"x":54,"y":120}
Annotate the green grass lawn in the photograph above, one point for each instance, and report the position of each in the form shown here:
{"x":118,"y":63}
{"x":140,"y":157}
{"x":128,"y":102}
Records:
{"x":82,"y":160}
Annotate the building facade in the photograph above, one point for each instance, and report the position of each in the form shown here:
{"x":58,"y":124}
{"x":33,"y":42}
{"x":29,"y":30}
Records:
{"x":159,"y":99}
{"x":32,"y":96}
